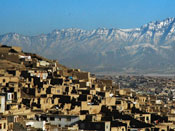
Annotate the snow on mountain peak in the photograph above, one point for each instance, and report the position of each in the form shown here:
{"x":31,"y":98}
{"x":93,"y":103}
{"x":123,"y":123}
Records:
{"x":154,"y":25}
{"x":153,"y":42}
{"x":130,"y":30}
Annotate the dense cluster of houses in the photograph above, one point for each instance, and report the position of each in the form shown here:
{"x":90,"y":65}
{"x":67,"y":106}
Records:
{"x":40,"y":94}
{"x":163,"y":87}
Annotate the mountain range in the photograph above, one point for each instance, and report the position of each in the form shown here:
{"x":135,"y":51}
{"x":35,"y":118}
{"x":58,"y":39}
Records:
{"x":148,"y":49}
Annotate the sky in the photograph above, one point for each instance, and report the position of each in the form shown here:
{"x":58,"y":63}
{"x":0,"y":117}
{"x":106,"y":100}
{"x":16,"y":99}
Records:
{"x":33,"y":17}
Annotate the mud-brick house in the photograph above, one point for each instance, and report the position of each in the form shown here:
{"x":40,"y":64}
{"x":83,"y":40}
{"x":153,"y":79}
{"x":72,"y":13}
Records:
{"x":165,"y":126}
{"x":4,"y":80}
{"x":2,"y":103}
{"x":143,"y":117}
{"x":81,"y":75}
{"x":118,"y":126}
{"x":96,"y":126}
{"x":59,"y":120}
{"x":3,"y":124}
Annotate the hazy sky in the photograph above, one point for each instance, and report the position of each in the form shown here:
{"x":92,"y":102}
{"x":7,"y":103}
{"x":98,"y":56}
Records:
{"x":31,"y":17}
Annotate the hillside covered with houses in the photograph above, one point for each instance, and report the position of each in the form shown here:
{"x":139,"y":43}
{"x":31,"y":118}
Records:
{"x":41,"y":94}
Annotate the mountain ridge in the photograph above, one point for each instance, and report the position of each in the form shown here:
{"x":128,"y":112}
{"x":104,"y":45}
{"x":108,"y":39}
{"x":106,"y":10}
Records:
{"x":139,"y":50}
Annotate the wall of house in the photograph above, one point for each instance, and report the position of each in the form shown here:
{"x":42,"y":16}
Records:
{"x":63,"y":121}
{"x":2,"y":108}
{"x":3,"y":125}
{"x":121,"y":128}
{"x":36,"y":124}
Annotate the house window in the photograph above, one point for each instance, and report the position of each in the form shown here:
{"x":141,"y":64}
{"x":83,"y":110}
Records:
{"x":118,"y":102}
{"x":52,"y":118}
{"x":147,"y":118}
{"x":4,"y":125}
{"x":3,"y":80}
{"x":58,"y":91}
{"x":0,"y":126}
{"x":16,"y":119}
{"x":82,"y":125}
{"x":98,"y":126}
{"x":68,"y":119}
{"x":142,"y":118}
{"x":9,"y":96}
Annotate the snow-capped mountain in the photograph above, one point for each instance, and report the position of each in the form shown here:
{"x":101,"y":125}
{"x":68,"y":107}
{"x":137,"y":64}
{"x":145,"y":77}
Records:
{"x":150,"y":48}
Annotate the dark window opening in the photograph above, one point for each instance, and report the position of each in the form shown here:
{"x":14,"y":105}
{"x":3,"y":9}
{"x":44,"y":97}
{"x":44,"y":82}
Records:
{"x":52,"y":118}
